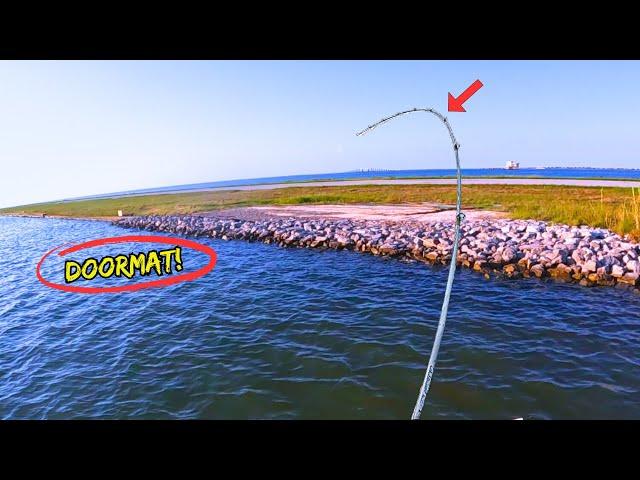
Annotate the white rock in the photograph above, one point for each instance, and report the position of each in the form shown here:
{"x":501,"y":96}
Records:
{"x":617,"y":271}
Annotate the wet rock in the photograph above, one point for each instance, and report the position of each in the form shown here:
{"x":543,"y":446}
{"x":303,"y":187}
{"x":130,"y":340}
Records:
{"x":432,"y":256}
{"x":630,"y":278}
{"x":538,"y":270}
{"x":479,"y":265}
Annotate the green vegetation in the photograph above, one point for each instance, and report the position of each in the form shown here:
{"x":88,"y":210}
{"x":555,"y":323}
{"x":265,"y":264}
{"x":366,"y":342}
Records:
{"x":615,"y":208}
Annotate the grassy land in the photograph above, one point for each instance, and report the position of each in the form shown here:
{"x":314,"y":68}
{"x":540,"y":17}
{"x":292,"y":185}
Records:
{"x":612,"y":207}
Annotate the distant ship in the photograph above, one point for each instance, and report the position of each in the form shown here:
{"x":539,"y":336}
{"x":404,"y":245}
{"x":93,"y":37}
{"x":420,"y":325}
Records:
{"x":511,"y":165}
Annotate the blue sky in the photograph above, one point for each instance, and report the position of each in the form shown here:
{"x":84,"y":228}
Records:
{"x":80,"y":128}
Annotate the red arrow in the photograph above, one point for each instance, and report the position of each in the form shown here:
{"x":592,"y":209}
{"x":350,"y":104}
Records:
{"x":455,"y":104}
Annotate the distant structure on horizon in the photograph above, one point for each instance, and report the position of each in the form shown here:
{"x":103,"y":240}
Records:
{"x":372,"y":170}
{"x":511,"y":165}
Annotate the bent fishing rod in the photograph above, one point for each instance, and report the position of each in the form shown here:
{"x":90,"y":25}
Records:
{"x":454,"y":256}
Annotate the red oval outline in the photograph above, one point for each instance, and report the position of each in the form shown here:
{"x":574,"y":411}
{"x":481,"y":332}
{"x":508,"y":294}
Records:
{"x":163,"y":282}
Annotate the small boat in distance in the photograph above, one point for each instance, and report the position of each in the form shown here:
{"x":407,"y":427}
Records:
{"x":511,"y":165}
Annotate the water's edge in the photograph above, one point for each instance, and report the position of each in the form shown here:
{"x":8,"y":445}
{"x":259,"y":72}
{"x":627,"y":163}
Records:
{"x":510,"y":248}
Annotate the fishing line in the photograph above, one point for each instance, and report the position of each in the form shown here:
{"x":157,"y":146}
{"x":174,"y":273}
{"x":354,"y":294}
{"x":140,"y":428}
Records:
{"x":424,"y":389}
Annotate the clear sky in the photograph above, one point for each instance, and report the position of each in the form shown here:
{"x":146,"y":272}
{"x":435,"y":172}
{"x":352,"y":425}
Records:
{"x":80,"y":128}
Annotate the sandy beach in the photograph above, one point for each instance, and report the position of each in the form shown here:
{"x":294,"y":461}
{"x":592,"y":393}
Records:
{"x":418,"y":212}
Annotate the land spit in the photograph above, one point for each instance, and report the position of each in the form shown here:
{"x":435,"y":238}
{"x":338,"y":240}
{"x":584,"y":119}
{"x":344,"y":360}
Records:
{"x":489,"y":244}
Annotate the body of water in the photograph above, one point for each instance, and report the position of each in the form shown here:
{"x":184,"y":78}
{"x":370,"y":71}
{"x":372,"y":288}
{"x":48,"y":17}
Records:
{"x":606,"y":173}
{"x":275,"y":333}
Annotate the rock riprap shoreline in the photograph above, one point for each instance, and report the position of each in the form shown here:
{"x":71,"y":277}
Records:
{"x":511,"y":248}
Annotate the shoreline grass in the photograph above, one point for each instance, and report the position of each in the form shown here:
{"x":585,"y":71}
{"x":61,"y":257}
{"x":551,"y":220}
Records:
{"x":615,"y":208}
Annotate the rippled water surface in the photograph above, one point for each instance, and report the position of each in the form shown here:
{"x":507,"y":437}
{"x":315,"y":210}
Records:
{"x":296,"y":333}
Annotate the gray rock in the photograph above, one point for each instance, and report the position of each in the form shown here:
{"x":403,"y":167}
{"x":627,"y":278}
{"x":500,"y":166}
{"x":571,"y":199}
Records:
{"x":508,"y":255}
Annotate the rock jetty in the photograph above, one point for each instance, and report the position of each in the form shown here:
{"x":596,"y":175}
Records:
{"x":510,"y":248}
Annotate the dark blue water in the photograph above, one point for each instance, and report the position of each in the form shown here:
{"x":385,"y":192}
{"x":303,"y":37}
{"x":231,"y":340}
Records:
{"x":610,"y":173}
{"x":297,"y":333}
